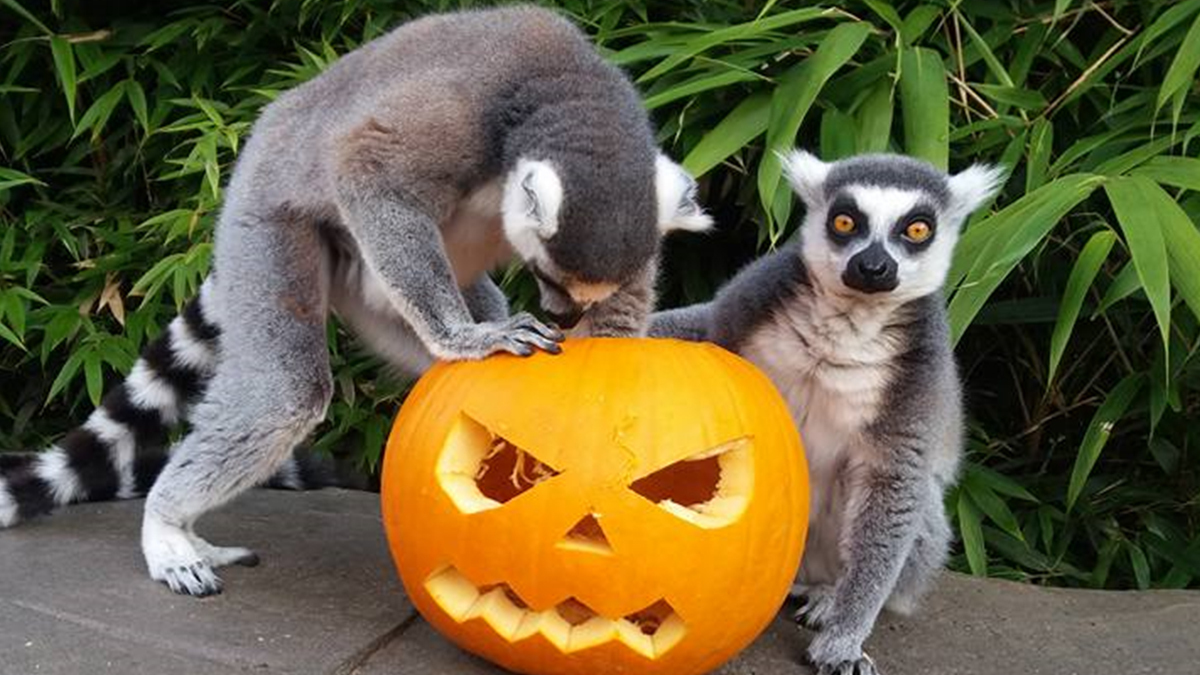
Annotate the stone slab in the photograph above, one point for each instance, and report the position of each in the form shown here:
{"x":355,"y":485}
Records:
{"x":968,"y":626}
{"x":74,"y":599}
{"x":74,"y":595}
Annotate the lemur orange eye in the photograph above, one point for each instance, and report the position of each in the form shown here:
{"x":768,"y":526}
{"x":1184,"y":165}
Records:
{"x":917,"y":231}
{"x":843,"y":223}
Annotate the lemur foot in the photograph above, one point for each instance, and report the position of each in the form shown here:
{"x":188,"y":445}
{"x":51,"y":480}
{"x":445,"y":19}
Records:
{"x":840,"y":655}
{"x":184,"y":561}
{"x":519,"y":334}
{"x":816,"y":607}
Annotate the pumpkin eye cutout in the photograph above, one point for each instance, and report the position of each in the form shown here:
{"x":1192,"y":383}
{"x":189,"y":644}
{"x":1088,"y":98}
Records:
{"x":917,"y":231}
{"x":480,"y":470}
{"x":844,"y":224}
{"x":709,"y":489}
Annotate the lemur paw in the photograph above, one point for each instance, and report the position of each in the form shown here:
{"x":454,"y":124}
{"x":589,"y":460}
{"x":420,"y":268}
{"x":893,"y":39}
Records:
{"x":519,"y":334}
{"x":171,"y":558}
{"x":817,"y":605}
{"x":840,"y":655}
{"x":863,"y":666}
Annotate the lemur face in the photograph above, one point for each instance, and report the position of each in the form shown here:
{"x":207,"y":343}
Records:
{"x":587,"y":231}
{"x":883,"y":225}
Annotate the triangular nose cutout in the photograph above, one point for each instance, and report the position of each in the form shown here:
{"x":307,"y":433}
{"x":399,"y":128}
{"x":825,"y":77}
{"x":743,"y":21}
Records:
{"x":587,"y":535}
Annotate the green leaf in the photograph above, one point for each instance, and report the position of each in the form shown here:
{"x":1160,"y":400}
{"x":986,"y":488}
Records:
{"x":1182,"y":73}
{"x":1098,"y":432}
{"x":991,"y":248}
{"x":874,"y":118}
{"x":1087,"y":265}
{"x":66,"y":374}
{"x":999,"y":482}
{"x":1131,"y":199}
{"x":795,"y":95}
{"x":64,"y":65}
{"x":838,"y":135}
{"x":1041,"y":143}
{"x":10,"y":178}
{"x":985,"y":50}
{"x":9,"y":336}
{"x":995,"y":508}
{"x":710,"y":39}
{"x":1025,"y":99}
{"x":98,"y":113}
{"x":972,"y":535}
{"x":696,"y":85}
{"x":742,"y":125}
{"x":1123,"y":285}
{"x":1141,"y":568}
{"x":887,"y":13}
{"x":137,"y":101}
{"x":93,"y":377}
{"x":925,"y":102}
{"x":917,"y":22}
{"x":1183,"y":172}
{"x":1182,"y":242}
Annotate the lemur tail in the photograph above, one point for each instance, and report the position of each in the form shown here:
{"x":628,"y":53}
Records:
{"x":120,"y":449}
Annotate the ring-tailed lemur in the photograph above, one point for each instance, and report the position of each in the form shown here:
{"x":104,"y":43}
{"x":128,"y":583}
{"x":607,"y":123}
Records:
{"x":384,"y":190}
{"x":849,"y":323}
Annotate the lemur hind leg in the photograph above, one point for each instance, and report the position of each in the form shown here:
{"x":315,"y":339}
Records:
{"x":925,"y":560}
{"x":271,"y":387}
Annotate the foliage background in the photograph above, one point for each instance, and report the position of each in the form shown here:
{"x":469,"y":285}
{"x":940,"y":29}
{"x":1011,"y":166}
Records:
{"x":1074,"y":298}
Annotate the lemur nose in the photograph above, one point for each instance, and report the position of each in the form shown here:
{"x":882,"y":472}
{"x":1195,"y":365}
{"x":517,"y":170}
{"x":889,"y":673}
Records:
{"x":872,"y":268}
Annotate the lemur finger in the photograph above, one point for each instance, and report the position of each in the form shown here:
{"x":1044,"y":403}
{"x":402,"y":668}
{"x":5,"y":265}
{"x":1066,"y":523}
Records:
{"x":529,"y":322}
{"x":545,"y":344}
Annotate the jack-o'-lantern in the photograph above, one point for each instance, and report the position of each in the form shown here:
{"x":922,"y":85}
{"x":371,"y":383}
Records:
{"x":627,"y":506}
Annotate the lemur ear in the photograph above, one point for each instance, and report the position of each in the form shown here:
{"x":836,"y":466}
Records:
{"x":533,"y":195}
{"x":807,"y":175}
{"x":973,"y":186}
{"x":676,"y":194}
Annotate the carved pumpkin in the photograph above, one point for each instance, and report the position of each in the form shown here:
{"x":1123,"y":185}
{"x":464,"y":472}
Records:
{"x":628,"y":506}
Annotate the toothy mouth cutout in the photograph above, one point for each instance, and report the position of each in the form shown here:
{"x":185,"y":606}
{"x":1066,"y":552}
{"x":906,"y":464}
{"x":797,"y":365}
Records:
{"x":570,"y":625}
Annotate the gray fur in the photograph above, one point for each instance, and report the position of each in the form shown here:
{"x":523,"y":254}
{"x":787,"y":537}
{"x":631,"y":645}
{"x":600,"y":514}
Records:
{"x":384,"y":190}
{"x":888,"y":171}
{"x":872,"y":384}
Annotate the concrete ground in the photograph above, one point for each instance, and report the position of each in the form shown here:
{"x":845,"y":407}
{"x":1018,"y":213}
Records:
{"x":74,"y":599}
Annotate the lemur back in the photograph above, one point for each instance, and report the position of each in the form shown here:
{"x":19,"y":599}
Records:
{"x":848,"y":321}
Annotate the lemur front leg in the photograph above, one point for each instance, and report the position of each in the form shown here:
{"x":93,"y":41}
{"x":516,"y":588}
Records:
{"x":402,"y":245}
{"x":877,"y":538}
{"x":485,"y":300}
{"x":684,"y":323}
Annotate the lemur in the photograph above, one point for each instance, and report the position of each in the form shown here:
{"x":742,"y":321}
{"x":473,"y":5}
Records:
{"x":382,"y":190}
{"x":848,"y":321}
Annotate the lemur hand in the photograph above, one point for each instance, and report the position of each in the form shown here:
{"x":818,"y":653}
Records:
{"x":519,"y":334}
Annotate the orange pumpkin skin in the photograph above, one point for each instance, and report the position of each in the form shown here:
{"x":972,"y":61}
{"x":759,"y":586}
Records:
{"x":518,"y":582}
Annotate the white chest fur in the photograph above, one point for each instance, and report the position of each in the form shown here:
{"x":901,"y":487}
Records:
{"x":473,"y":234}
{"x":831,"y":364}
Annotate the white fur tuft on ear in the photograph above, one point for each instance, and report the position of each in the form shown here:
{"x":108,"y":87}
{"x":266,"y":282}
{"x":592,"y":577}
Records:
{"x":973,"y":186}
{"x":807,"y":175}
{"x":533,"y":195}
{"x":675,"y":191}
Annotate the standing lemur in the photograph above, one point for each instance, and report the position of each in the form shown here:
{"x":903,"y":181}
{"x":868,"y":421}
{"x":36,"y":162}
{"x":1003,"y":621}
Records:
{"x":383,"y":190}
{"x":849,"y":323}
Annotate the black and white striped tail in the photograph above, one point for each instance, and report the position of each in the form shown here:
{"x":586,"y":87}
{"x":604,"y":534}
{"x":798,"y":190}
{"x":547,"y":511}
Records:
{"x":118,"y":451}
